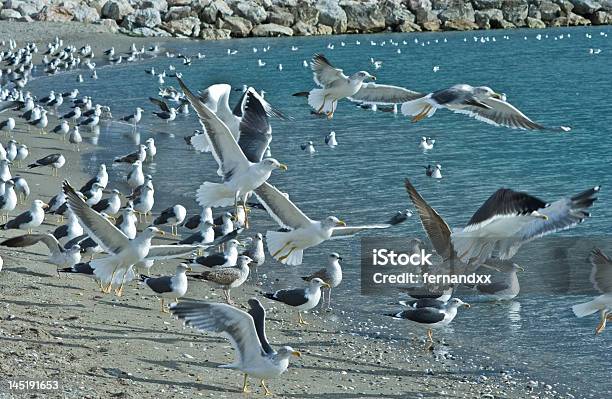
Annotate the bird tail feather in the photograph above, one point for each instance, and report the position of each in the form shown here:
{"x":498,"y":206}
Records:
{"x":214,"y":194}
{"x":316,"y":101}
{"x":277,"y":242}
{"x":585,"y":309}
{"x":415,"y":107}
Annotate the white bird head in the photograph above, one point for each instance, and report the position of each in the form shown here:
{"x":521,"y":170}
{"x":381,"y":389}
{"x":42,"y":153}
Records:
{"x":152,"y":231}
{"x":334,"y":256}
{"x":363,"y":75}
{"x":183,"y":268}
{"x":233,"y":243}
{"x":318,"y":283}
{"x":456,"y":302}
{"x":244,"y":260}
{"x":285,"y":352}
{"x":487,"y":92}
{"x":272,"y":163}
{"x":39,"y":204}
{"x":332,"y":221}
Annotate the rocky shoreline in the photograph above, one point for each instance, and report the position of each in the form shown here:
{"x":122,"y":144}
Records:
{"x":223,"y":19}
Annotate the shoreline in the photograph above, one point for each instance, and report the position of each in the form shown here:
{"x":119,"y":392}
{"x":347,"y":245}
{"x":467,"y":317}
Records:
{"x":102,"y":346}
{"x":224,"y":19}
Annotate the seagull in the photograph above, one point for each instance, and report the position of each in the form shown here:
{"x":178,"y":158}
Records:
{"x":101,"y":178}
{"x":123,"y":252}
{"x":254,"y":356}
{"x":58,"y":256}
{"x":241,"y":176}
{"x":151,"y":149}
{"x":109,"y":206}
{"x":135,"y":117}
{"x":174,"y":216}
{"x":431,"y":313}
{"x":195,"y":221}
{"x":308,"y":147}
{"x":400,"y":217}
{"x":21,"y":188}
{"x":55,"y":161}
{"x":504,"y":286}
{"x":22,"y":154}
{"x":330,"y":140}
{"x":75,"y":138}
{"x":228,"y":277}
{"x":227,"y":258}
{"x":427,"y":143}
{"x":135,"y":176}
{"x":68,"y":231}
{"x":479,"y":102}
{"x":28,"y":219}
{"x":601,"y":278}
{"x":205,"y":235}
{"x":7,"y":126}
{"x":433,"y":171}
{"x":168,"y":286}
{"x":139,"y":155}
{"x":256,"y":252}
{"x":8,"y":200}
{"x":335,"y":85}
{"x":5,"y":171}
{"x":93,"y":195}
{"x":127,"y":222}
{"x":287,"y":246}
{"x":300,"y":298}
{"x":144,"y":202}
{"x":332,"y":275}
{"x":509,"y":218}
{"x":168,"y":116}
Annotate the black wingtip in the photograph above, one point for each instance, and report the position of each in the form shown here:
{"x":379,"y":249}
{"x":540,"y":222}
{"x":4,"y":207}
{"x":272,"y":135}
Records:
{"x":143,"y":277}
{"x":301,"y":94}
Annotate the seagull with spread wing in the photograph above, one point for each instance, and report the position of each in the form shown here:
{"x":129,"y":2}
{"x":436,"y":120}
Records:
{"x":116,"y":269}
{"x":288,"y":246}
{"x":479,"y":102}
{"x":57,"y":254}
{"x":335,"y":85}
{"x":240,"y":175}
{"x":246,"y":332}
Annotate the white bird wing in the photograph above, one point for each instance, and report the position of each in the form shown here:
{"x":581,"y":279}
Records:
{"x":601,"y":274}
{"x":101,"y":230}
{"x":349,"y":231}
{"x":159,"y":252}
{"x":324,"y":74}
{"x":224,"y":147}
{"x":500,"y":113}
{"x":235,"y":324}
{"x":30,"y":239}
{"x":211,"y":96}
{"x":372,"y":93}
{"x":280,"y":208}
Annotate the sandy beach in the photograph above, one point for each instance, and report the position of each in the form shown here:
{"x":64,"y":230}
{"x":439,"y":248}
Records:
{"x":102,"y":346}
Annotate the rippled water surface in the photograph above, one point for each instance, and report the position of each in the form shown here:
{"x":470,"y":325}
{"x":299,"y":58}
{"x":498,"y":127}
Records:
{"x":554,"y":81}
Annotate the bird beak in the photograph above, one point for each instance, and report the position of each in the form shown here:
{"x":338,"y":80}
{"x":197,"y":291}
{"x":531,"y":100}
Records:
{"x":161,"y":233}
{"x":520,"y":268}
{"x":45,"y":206}
{"x":326,"y":285}
{"x":498,"y":96}
{"x":467,"y":305}
{"x":282,"y":166}
{"x":339,"y":257}
{"x":539,"y":215}
{"x":189,"y":269}
{"x":296,"y":354}
{"x":373,"y":77}
{"x":341,"y":223}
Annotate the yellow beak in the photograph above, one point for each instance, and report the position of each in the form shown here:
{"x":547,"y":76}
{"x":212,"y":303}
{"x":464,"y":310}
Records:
{"x":498,"y":96}
{"x":161,"y":233}
{"x":296,"y":354}
{"x":340,"y":223}
{"x":326,"y":285}
{"x":373,"y":77}
{"x":467,"y":305}
{"x":282,"y":166}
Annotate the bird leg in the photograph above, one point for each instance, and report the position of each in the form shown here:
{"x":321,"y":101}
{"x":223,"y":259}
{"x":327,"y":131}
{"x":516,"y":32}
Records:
{"x":266,"y":390}
{"x":301,"y":321}
{"x":282,"y":258}
{"x":275,"y":254}
{"x":245,"y":384}
{"x":320,"y":110}
{"x":330,"y":114}
{"x":162,"y":307}
{"x":602,"y":324}
{"x":421,"y":115}
{"x":329,"y":300}
{"x":246,"y":212}
{"x":430,"y":335}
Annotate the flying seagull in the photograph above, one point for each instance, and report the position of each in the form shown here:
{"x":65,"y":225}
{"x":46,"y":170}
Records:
{"x":300,"y":298}
{"x":240,"y":176}
{"x":114,"y":269}
{"x":335,"y":85}
{"x":479,"y":102}
{"x":58,"y":256}
{"x":239,"y":327}
{"x":601,"y":278}
{"x":168,"y":286}
{"x":287,"y":246}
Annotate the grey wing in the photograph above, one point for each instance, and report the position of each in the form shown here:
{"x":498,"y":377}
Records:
{"x":601,"y":274}
{"x":324,"y":74}
{"x":499,"y":113}
{"x":280,"y":208}
{"x":159,"y":252}
{"x":492,"y":288}
{"x":30,"y":239}
{"x":22,"y":218}
{"x":4,"y":105}
{"x":294,"y":297}
{"x":349,"y":231}
{"x":235,"y":324}
{"x":372,"y":93}
{"x":258,"y":313}
{"x":161,"y":104}
{"x":160,"y":284}
{"x":49,"y":159}
{"x":255,"y":130}
{"x":423,"y":315}
{"x":109,"y":237}
{"x":436,"y":228}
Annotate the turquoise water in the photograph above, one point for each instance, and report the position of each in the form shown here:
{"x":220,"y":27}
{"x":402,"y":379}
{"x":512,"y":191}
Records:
{"x":555,"y":82}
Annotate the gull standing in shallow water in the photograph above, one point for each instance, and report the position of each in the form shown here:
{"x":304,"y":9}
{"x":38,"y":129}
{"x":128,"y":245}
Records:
{"x":601,"y":278}
{"x":240,"y":175}
{"x":335,"y":85}
{"x":116,"y":269}
{"x":479,"y":102}
{"x":254,"y":356}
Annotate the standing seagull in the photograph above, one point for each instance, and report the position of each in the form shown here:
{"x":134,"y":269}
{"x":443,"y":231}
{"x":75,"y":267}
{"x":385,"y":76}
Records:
{"x":135,"y":117}
{"x":135,"y":176}
{"x":75,"y":138}
{"x":240,"y":175}
{"x":251,"y":357}
{"x":173,"y":216}
{"x":58,"y":256}
{"x":139,"y":155}
{"x":8,"y":200}
{"x":7,"y":126}
{"x":227,"y":258}
{"x":256,"y":252}
{"x":479,"y":102}
{"x":287,"y":246}
{"x":228,"y":277}
{"x":335,"y":85}
{"x":28,"y":219}
{"x":168,"y":286}
{"x":55,"y":161}
{"x":332,"y":275}
{"x":601,"y":278}
{"x":300,"y":298}
{"x":109,"y":206}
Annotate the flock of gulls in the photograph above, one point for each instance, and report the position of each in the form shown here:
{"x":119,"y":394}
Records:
{"x":98,"y":221}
